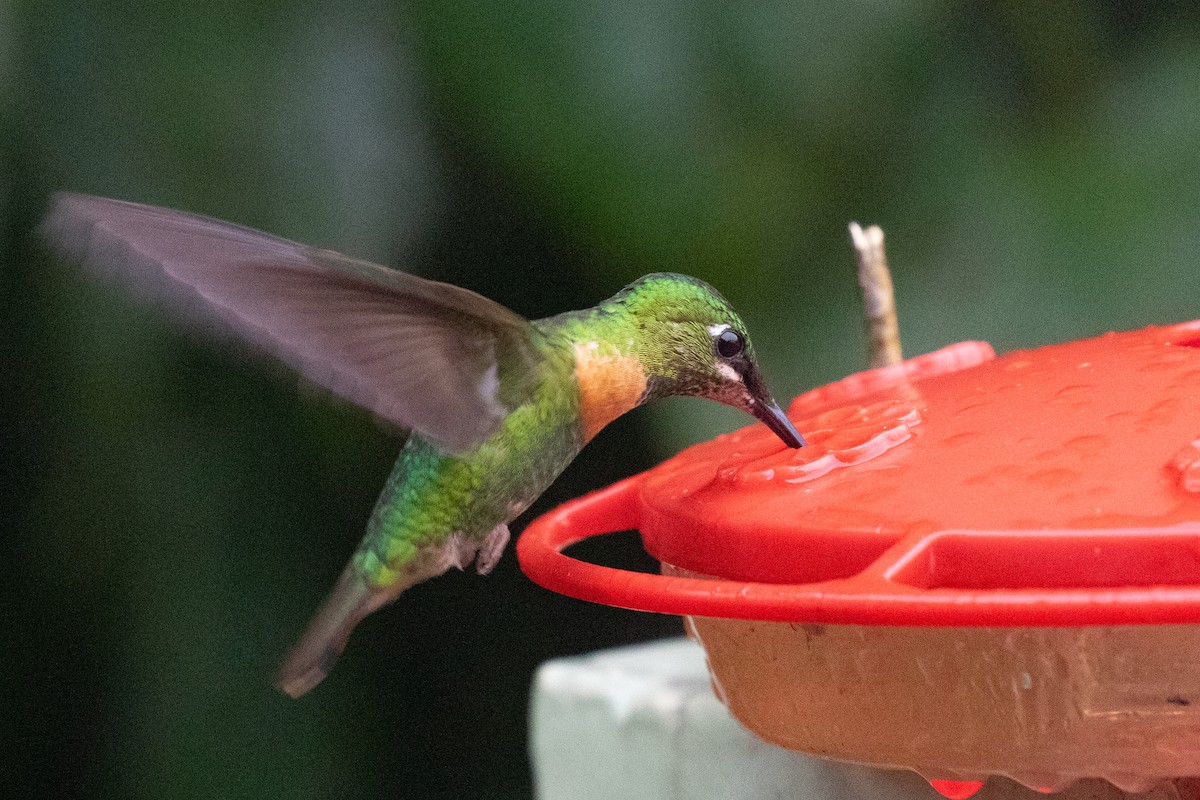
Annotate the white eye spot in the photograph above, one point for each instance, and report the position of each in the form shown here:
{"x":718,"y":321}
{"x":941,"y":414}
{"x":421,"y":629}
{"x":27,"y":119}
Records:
{"x":593,"y":345}
{"x":717,"y":330}
{"x":728,"y":372}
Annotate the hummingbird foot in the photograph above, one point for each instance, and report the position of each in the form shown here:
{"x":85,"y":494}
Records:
{"x":491,"y":549}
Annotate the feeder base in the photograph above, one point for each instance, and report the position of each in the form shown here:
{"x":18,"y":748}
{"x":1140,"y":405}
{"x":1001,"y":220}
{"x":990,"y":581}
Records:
{"x":642,"y":722}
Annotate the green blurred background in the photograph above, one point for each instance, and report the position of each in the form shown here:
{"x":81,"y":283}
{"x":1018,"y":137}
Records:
{"x":172,"y":511}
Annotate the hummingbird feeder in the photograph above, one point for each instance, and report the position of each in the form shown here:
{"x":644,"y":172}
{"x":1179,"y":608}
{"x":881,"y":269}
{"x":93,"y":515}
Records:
{"x":979,"y":566}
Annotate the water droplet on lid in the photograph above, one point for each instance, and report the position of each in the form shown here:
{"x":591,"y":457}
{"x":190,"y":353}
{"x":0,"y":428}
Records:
{"x":1161,"y":412}
{"x":847,"y":435}
{"x":1186,"y":464}
{"x":1189,"y":377}
{"x":997,"y":474}
{"x":1087,"y":445}
{"x":993,"y":474}
{"x":1118,"y":416}
{"x":974,"y":404}
{"x":1167,"y":360}
{"x":1054,"y":478}
{"x":840,"y":417}
{"x":962,"y":438}
{"x":876,"y":445}
{"x":809,"y":470}
{"x":1073,"y":393}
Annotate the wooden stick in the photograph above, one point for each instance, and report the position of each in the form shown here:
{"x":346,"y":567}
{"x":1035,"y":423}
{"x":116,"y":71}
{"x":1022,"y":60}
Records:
{"x":879,"y":302}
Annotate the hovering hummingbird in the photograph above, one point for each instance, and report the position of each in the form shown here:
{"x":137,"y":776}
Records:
{"x":497,"y":405}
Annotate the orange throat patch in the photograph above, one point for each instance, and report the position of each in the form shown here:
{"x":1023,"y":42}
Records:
{"x":610,"y":383}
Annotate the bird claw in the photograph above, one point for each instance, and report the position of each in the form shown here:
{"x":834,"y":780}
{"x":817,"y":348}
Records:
{"x":491,"y":549}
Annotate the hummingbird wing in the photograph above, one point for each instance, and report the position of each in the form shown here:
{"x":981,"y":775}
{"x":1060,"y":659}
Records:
{"x":441,"y":360}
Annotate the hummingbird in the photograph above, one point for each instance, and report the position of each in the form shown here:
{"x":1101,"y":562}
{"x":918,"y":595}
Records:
{"x":496,"y":405}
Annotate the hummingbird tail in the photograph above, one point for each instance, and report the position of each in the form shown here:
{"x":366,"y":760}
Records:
{"x":314,"y":655}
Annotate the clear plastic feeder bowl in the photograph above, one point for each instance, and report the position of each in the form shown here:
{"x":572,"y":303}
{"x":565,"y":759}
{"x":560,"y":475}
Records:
{"x":979,"y":566}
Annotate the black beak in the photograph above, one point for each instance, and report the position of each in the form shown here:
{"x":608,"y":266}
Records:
{"x":774,"y":418}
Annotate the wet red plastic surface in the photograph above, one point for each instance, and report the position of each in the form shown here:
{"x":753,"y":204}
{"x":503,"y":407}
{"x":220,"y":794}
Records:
{"x":1056,"y":486}
{"x":956,"y":790}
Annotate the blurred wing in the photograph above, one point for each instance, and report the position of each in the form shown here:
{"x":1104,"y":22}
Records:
{"x":425,"y":355}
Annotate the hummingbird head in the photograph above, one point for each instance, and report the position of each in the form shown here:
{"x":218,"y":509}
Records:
{"x":692,"y":343}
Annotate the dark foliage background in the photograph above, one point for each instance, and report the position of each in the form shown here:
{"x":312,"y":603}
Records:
{"x":171,"y":511}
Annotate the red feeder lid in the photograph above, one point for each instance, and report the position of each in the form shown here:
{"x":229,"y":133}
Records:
{"x":1056,"y":486}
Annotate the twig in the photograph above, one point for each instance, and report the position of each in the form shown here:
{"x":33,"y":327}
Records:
{"x":879,"y":303}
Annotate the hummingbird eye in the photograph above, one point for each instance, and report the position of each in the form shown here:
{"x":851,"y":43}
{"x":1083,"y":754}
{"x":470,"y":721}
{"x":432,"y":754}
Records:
{"x":730,"y":343}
